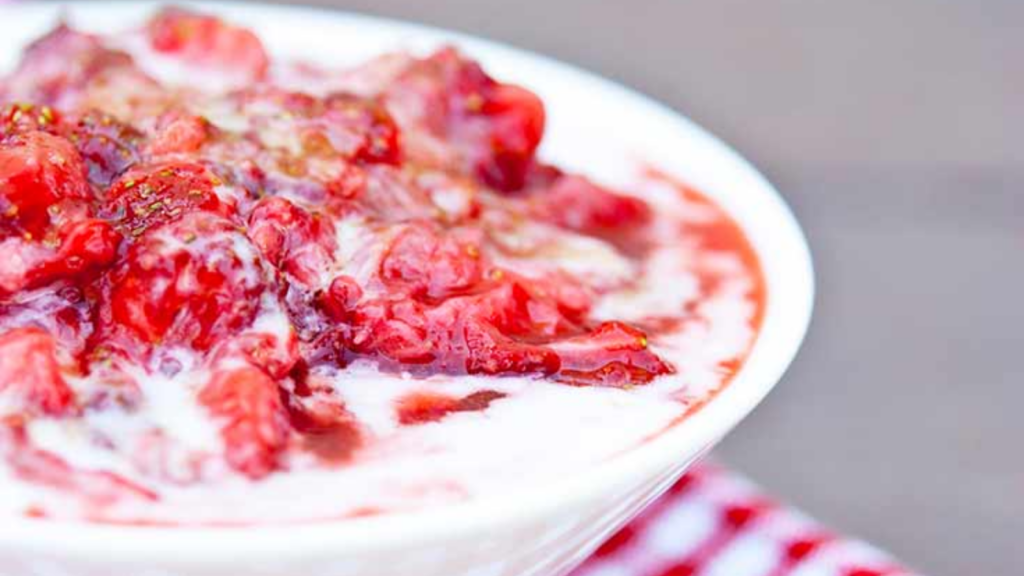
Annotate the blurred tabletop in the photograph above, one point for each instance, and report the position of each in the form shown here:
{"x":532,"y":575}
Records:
{"x":896,"y":131}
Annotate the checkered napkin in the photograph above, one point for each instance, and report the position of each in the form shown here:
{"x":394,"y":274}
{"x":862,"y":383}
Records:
{"x":716,"y":523}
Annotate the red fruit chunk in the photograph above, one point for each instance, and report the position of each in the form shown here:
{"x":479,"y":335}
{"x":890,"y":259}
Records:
{"x":29,"y":370}
{"x":516,"y":329}
{"x":338,"y":126}
{"x":505,"y":326}
{"x":178,"y":133}
{"x":85,"y":247}
{"x":21,"y":118}
{"x":516,"y":120}
{"x":613,"y":337}
{"x":37,"y":170}
{"x":463,"y":335}
{"x":254,"y":423}
{"x":613,"y":354}
{"x":524,"y":312}
{"x":341,"y":297}
{"x":424,"y":407}
{"x":431,"y":265}
{"x":63,"y":312}
{"x":488,"y":351}
{"x":107,"y":145}
{"x":393,"y":330}
{"x":578,"y":204}
{"x":209,"y":42}
{"x":328,"y":346}
{"x":390,"y":196}
{"x":276,"y":226}
{"x":21,"y":264}
{"x":361,"y":129}
{"x":148,"y":196}
{"x":58,"y":66}
{"x":292,"y":239}
{"x":495,"y":128}
{"x":191,"y":282}
{"x":275,"y":355}
{"x":45,"y":215}
{"x":454,"y":199}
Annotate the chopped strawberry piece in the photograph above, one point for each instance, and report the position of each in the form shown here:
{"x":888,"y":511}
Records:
{"x":495,"y":128}
{"x":37,"y":170}
{"x":148,"y":196}
{"x":341,"y":298}
{"x":58,"y":66}
{"x":340,"y":128}
{"x":46,"y":227}
{"x":30,"y":371}
{"x":517,"y":119}
{"x":578,"y":204}
{"x":459,"y":336}
{"x":65,"y":313}
{"x":275,"y":354}
{"x":506,"y":326}
{"x":191,"y":282}
{"x":107,"y":145}
{"x":455,"y":198}
{"x":613,"y":337}
{"x":431,"y":264}
{"x":86,"y":245}
{"x":21,"y":118}
{"x":393,"y":330}
{"x":424,"y":407}
{"x":389,"y":195}
{"x":84,"y":248}
{"x":568,"y":295}
{"x":327,"y":346}
{"x":254,"y":422}
{"x":178,"y":133}
{"x":292,"y":239}
{"x":525,"y":312}
{"x":488,"y":351}
{"x":22,"y":264}
{"x":208,"y":42}
{"x":361,"y":129}
{"x":613,"y":354}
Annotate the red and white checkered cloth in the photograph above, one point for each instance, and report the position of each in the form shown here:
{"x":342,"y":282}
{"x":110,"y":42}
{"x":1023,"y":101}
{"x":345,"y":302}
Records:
{"x":716,"y":523}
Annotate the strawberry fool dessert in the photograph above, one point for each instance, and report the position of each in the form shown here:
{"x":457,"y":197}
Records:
{"x":238,"y":291}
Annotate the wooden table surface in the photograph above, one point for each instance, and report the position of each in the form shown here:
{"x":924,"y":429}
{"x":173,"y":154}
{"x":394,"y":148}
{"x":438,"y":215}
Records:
{"x":896,"y":130}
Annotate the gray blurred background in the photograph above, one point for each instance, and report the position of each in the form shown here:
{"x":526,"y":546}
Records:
{"x":894,"y":128}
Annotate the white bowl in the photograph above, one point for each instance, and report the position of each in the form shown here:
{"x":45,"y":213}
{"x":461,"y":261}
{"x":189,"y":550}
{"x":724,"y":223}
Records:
{"x":596,"y":127}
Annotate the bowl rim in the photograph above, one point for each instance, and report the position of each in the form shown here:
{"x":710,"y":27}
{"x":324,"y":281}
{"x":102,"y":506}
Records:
{"x":786,"y":320}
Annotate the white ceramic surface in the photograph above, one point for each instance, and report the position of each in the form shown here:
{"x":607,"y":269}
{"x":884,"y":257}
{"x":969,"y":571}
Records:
{"x":596,"y":127}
